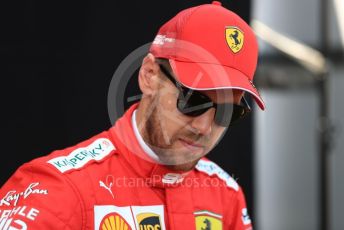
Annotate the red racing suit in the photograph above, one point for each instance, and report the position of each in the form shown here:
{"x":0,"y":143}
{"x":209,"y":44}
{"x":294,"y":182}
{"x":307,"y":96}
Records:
{"x":107,"y":182}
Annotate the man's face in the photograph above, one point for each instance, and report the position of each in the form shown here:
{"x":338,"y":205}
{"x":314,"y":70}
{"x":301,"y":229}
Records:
{"x":180,"y":140}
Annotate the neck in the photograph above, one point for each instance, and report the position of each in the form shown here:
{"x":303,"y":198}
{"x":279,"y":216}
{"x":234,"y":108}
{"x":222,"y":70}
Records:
{"x":139,"y":120}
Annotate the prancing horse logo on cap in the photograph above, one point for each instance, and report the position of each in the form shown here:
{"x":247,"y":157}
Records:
{"x":234,"y":38}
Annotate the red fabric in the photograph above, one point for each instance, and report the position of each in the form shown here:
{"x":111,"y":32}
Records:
{"x":105,"y":185}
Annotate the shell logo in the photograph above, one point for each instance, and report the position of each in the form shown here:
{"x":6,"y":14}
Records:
{"x":114,"y":221}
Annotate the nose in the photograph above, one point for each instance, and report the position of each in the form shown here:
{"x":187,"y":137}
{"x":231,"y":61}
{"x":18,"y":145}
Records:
{"x":203,"y":122}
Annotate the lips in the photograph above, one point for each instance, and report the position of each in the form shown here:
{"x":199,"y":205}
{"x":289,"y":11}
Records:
{"x":191,"y":145}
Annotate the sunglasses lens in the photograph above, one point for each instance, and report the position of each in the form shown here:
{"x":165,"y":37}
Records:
{"x":195,"y":104}
{"x":192,"y":103}
{"x":222,"y":115}
{"x":238,"y":113}
{"x":227,"y":114}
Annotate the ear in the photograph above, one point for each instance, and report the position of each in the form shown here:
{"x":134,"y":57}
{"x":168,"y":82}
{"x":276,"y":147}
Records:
{"x":149,"y":76}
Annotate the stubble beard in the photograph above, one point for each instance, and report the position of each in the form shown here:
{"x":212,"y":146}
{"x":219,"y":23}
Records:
{"x":172,"y":158}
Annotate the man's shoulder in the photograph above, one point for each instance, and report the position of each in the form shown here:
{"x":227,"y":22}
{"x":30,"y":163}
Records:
{"x":57,"y":177}
{"x":49,"y":188}
{"x":209,"y":169}
{"x":78,"y":157}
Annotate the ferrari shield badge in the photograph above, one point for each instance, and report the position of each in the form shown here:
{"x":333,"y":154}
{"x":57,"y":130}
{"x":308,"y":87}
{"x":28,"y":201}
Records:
{"x":206,"y":220}
{"x":234,"y":38}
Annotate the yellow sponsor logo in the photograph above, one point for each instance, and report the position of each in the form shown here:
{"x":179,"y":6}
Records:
{"x":149,"y":221}
{"x":114,"y":221}
{"x":234,"y":38}
{"x":208,"y":222}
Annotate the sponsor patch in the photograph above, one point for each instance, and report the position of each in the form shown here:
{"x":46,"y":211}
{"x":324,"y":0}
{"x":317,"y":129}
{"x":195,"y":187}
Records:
{"x":149,"y":217}
{"x":162,"y":39}
{"x":148,"y":221}
{"x":17,"y":218}
{"x":114,"y":221}
{"x":211,"y":169}
{"x":101,"y":212}
{"x":78,"y":158}
{"x":245,"y":217}
{"x":13,"y":197}
{"x":173,"y":178}
{"x":134,"y":217}
{"x":206,"y":220}
{"x":234,"y":38}
{"x":107,"y":185}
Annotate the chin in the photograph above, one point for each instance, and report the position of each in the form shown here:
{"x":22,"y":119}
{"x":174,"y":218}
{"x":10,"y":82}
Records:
{"x":180,"y":160}
{"x":183,"y":167}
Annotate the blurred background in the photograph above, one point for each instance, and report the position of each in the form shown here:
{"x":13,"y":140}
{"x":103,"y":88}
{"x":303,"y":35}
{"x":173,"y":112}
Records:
{"x":58,"y":59}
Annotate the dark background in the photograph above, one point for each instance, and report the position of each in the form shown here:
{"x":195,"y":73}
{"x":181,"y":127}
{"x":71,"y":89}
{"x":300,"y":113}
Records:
{"x":57,"y":60}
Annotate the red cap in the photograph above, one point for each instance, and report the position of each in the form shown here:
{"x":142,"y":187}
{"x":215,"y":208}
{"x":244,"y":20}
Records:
{"x":210,"y":47}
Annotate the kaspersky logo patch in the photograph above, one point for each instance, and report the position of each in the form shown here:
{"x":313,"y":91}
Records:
{"x":234,"y":38}
{"x":206,"y":220}
{"x":114,"y":221}
{"x":78,"y":158}
{"x":149,"y":221}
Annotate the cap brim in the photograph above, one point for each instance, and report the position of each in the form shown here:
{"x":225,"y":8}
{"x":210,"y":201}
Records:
{"x":205,"y":76}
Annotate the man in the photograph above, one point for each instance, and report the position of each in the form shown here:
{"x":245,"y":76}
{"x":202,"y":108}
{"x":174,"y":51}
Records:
{"x":149,"y":171}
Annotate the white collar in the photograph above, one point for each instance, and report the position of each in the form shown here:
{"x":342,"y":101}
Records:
{"x":142,"y":143}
